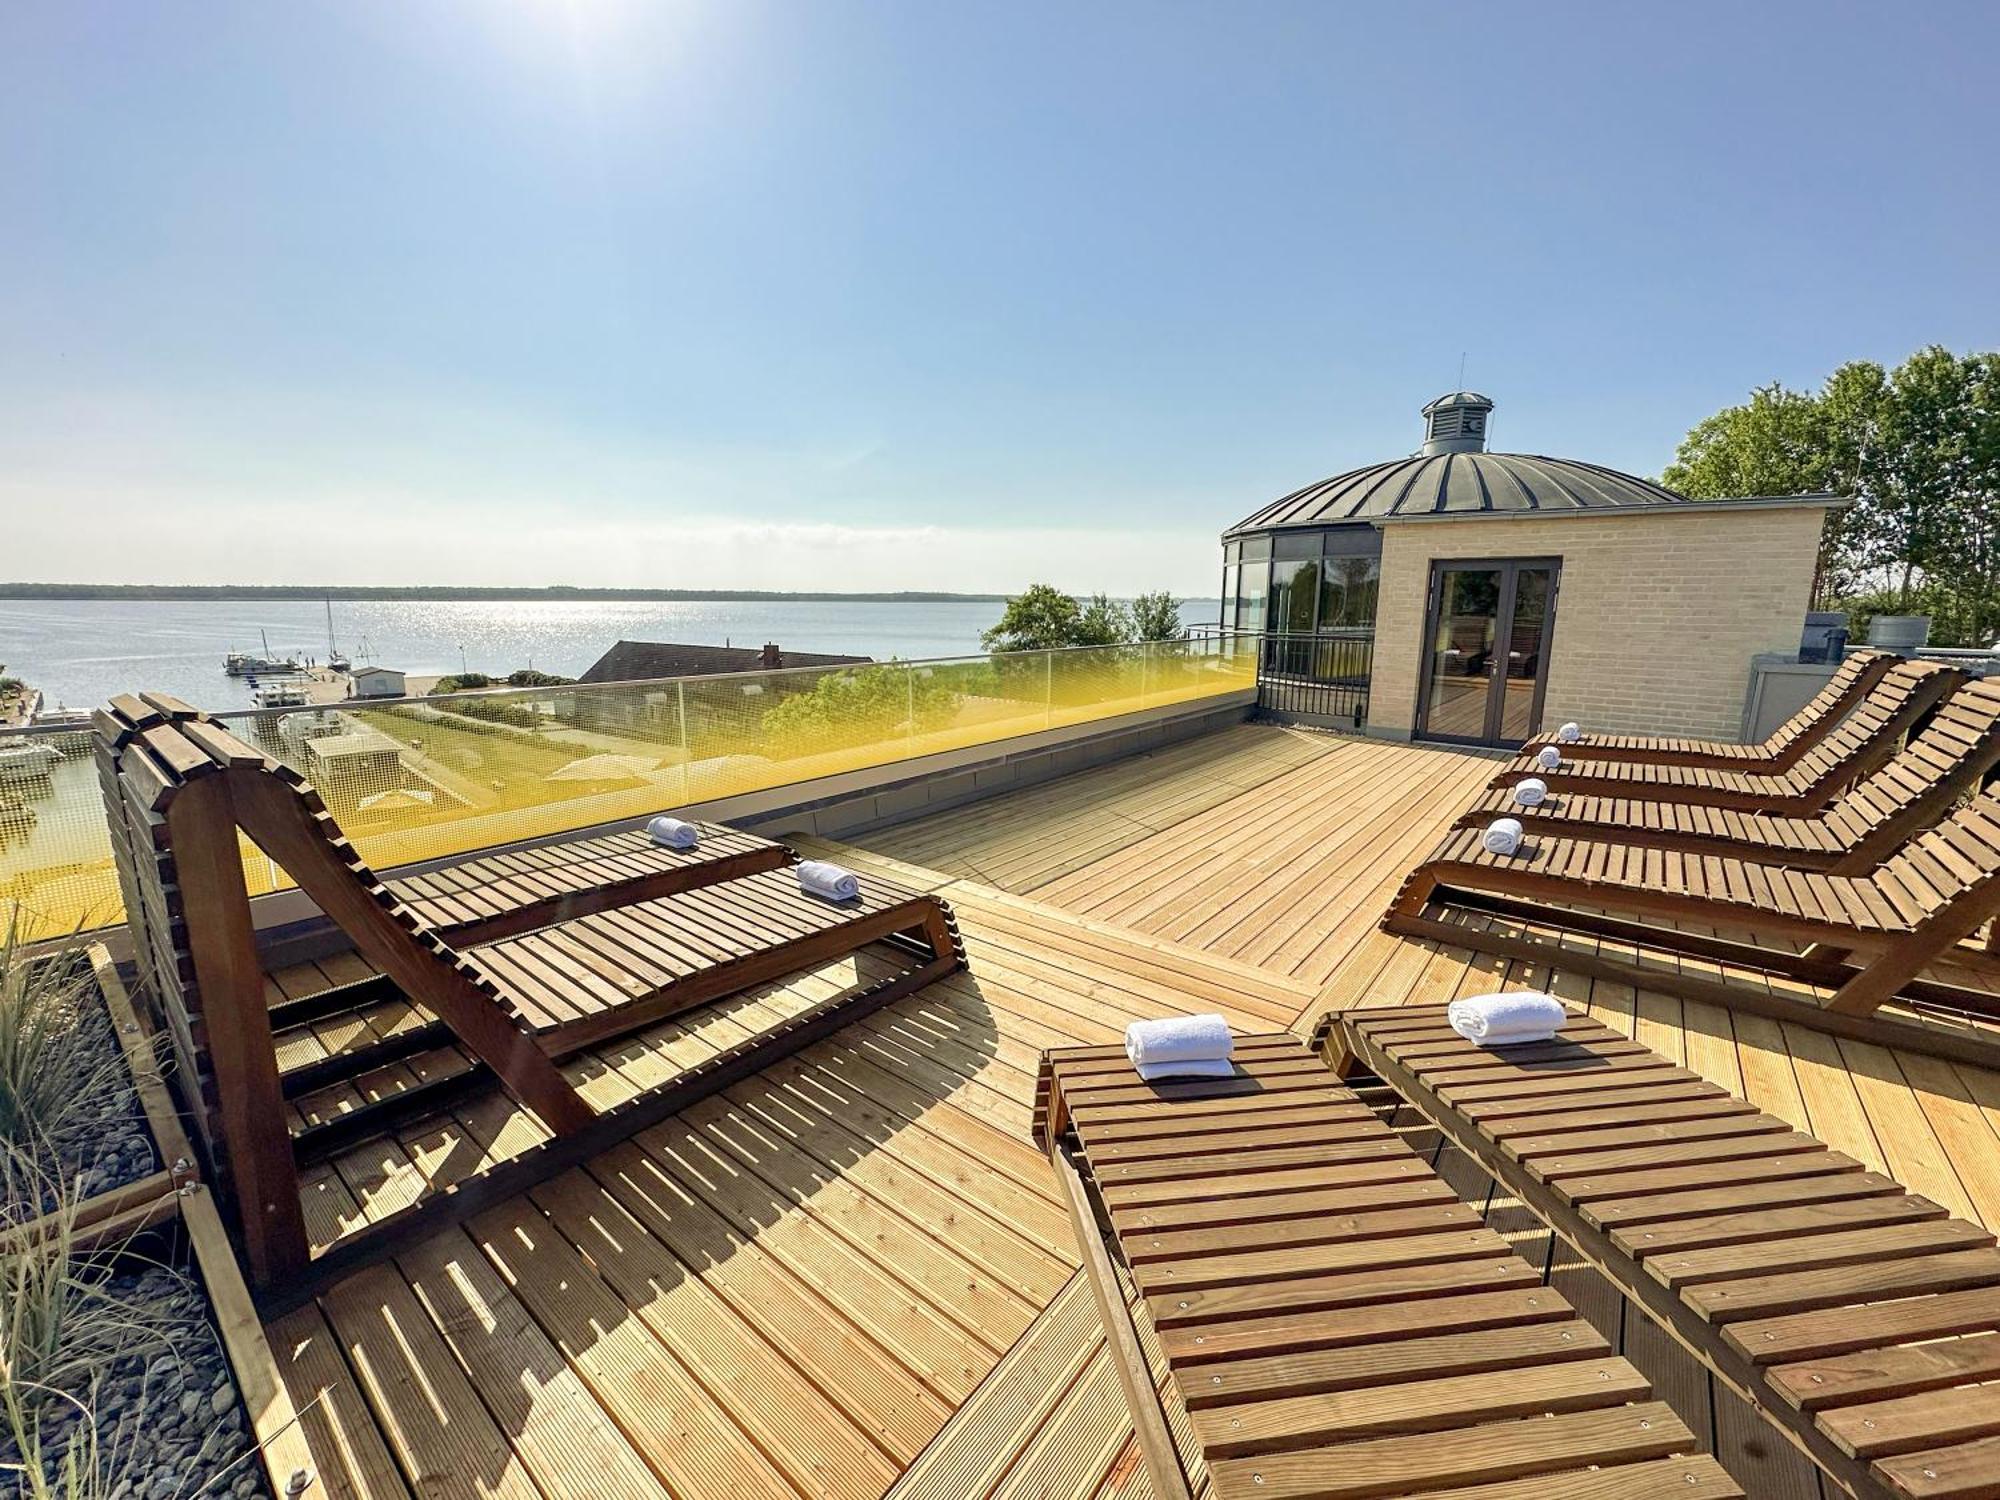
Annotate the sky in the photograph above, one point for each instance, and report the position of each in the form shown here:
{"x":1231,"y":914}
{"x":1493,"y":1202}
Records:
{"x":913,"y":293}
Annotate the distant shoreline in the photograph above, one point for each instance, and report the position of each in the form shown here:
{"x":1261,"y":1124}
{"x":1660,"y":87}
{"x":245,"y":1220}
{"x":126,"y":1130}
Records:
{"x":160,"y":591}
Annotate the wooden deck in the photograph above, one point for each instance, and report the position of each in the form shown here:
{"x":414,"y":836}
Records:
{"x":852,"y":1275}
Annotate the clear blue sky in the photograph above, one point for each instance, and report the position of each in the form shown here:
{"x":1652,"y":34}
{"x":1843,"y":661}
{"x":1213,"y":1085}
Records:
{"x":917,"y":294}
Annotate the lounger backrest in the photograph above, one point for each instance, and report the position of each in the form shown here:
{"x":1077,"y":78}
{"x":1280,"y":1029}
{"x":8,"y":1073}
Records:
{"x":1957,"y":858}
{"x":150,"y":748}
{"x":1907,"y":685}
{"x":1960,"y":744}
{"x":136,"y":783}
{"x":1858,"y":670}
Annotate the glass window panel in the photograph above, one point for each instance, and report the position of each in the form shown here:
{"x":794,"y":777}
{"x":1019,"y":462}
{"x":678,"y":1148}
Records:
{"x":1251,"y":589}
{"x":1462,"y":652}
{"x":1524,"y":652}
{"x":1256,"y":548}
{"x":1229,"y":576}
{"x":1297,"y":544}
{"x":1353,"y":541}
{"x":1348,"y":592}
{"x":1294,"y":593}
{"x":1232,"y":553}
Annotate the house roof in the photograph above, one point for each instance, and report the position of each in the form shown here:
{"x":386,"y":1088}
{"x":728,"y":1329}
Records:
{"x":1468,"y":484}
{"x":637,"y":661}
{"x":376,"y":672}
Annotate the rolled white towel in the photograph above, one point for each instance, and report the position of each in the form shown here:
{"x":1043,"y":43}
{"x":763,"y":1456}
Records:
{"x":1179,"y":1039}
{"x":1502,"y":836}
{"x":1193,"y":1067}
{"x":1548,"y":757}
{"x":1570,"y":733}
{"x":822,"y":877}
{"x":1507,"y":1020}
{"x":674,"y":833}
{"x":1531,"y":791}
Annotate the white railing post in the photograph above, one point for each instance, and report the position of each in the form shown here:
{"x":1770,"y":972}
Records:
{"x":910,"y":687}
{"x":1145,"y":664}
{"x":1048,"y":688}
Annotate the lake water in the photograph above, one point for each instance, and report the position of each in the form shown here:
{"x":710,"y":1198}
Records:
{"x":81,"y":651}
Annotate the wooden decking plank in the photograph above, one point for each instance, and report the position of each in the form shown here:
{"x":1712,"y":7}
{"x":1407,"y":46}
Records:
{"x":663,"y":1410}
{"x":562,"y":1437}
{"x":446,"y":1441}
{"x":804,"y":1433}
{"x":347,"y":1441}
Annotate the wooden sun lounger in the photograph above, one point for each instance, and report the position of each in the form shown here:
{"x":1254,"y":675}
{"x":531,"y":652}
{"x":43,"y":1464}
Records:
{"x":1867,"y":938}
{"x":1781,"y":750}
{"x":1957,"y":750}
{"x":478,"y":900}
{"x":1858,"y":1316}
{"x":1860,"y":743}
{"x":1335,"y":1321}
{"x":180,"y":789}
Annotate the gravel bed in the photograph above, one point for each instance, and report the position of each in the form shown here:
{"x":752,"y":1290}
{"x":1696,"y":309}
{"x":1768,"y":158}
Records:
{"x":118,"y":1148}
{"x":168,"y":1421}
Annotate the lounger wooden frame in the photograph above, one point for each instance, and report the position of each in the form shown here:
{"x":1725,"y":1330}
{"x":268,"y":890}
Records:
{"x":1860,"y":743}
{"x":1778,"y":751}
{"x":1956,"y":751}
{"x":1867,"y":938}
{"x":180,"y":788}
{"x":1830,"y":1296}
{"x":1335,"y":1321}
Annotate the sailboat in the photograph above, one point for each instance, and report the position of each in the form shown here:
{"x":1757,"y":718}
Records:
{"x":334,"y":659}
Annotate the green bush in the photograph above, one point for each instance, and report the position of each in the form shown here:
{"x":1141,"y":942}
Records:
{"x":493,"y":711}
{"x":460,"y":682}
{"x":867,"y":703}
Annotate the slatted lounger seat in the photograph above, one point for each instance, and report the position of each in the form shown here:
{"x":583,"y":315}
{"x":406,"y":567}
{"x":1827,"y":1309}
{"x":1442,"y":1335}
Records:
{"x":1811,"y":1285}
{"x":181,"y":789}
{"x":1861,"y":742}
{"x":1956,"y":751}
{"x":478,"y":900}
{"x":1858,"y":673}
{"x":1868,"y":938}
{"x":590,"y":978}
{"x":1336,"y":1322}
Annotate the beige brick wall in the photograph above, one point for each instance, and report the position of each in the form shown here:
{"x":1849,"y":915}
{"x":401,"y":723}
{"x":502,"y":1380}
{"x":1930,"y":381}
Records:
{"x":1657,"y":617}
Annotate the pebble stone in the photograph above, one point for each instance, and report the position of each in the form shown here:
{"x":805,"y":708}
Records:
{"x":168,"y":1420}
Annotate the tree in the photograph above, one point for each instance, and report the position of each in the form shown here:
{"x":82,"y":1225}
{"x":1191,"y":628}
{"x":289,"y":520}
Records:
{"x":1040,"y":617}
{"x":1156,"y":617}
{"x":1104,"y":622}
{"x":1043,"y":617}
{"x":1917,"y":451}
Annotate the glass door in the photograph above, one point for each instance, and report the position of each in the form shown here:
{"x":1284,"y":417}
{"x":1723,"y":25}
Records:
{"x":1486,"y":650}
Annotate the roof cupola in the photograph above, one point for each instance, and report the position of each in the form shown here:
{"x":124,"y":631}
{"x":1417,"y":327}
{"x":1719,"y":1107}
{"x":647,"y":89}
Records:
{"x":1456,"y":424}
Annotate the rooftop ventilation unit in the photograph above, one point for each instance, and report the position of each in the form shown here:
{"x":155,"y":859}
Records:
{"x":1456,"y":424}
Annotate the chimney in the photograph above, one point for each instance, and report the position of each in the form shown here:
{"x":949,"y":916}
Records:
{"x":773,"y":658}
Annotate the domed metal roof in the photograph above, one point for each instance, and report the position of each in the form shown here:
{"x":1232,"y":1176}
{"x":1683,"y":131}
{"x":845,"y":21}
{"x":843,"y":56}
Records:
{"x":1459,"y":483}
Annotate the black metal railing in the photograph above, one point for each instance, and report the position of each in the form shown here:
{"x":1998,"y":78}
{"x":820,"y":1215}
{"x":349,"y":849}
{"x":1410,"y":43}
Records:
{"x":1317,"y":676}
